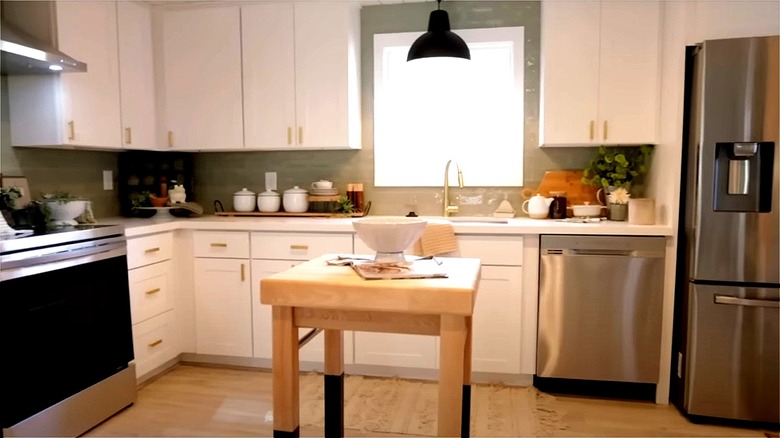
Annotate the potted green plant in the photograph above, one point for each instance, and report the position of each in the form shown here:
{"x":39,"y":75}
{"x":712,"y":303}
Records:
{"x":616,"y":170}
{"x":615,"y":167}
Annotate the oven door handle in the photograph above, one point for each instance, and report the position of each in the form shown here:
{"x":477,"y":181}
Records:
{"x":64,"y":260}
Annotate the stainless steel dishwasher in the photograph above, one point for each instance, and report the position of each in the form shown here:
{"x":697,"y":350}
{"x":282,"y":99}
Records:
{"x":600,"y":302}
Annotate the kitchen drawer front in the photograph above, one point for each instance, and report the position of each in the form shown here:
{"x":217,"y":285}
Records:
{"x":221,"y":244}
{"x":299,"y":246}
{"x":154,"y":342}
{"x":142,"y":251}
{"x":492,"y":250}
{"x":150,"y":290}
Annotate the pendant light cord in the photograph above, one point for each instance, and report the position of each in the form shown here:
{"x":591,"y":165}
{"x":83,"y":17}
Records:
{"x":438,"y":4}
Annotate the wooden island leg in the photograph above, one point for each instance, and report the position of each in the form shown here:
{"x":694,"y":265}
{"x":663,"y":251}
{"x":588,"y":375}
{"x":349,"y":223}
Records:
{"x":453,"y":336}
{"x":285,"y":374}
{"x":334,"y":383}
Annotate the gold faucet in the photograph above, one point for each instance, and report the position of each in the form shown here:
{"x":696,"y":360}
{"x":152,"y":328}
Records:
{"x":450,"y":209}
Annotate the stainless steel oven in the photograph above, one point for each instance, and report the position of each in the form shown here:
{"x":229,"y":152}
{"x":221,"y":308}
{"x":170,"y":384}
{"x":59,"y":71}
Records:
{"x":65,"y":331}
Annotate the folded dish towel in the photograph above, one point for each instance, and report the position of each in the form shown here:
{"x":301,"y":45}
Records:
{"x":438,"y":238}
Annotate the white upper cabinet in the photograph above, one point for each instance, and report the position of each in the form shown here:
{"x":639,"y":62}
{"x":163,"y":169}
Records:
{"x":600,"y":74}
{"x":72,"y":109}
{"x":301,"y":75}
{"x":201,"y":55}
{"x":136,"y":72}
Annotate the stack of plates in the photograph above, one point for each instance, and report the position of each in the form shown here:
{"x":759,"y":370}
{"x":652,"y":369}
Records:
{"x":324,"y":192}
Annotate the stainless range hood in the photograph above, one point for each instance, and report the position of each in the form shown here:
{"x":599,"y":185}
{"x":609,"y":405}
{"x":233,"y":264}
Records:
{"x":32,"y":50}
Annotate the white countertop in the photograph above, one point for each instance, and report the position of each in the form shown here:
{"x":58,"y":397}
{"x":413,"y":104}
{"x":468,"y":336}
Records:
{"x":515,"y":226}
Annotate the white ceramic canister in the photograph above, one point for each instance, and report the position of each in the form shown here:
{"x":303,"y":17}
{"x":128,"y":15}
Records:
{"x":295,"y":200}
{"x":244,"y":200}
{"x":269,"y":201}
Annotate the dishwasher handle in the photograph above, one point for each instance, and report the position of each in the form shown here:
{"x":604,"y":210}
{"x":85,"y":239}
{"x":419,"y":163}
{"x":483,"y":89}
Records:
{"x":602,"y":252}
{"x":728,"y":299}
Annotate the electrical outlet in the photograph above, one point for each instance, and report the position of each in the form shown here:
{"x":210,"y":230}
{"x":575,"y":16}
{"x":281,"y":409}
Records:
{"x":270,"y":180}
{"x":108,"y":180}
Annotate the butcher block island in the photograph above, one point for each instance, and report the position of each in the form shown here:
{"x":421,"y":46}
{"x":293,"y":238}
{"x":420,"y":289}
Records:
{"x":335,"y":298}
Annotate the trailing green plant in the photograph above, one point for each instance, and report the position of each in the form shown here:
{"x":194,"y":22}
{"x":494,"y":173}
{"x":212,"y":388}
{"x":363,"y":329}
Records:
{"x":8,"y":197}
{"x":140,"y":199}
{"x":618,"y":166}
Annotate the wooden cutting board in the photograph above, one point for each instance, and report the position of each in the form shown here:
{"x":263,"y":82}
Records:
{"x":569,"y":181}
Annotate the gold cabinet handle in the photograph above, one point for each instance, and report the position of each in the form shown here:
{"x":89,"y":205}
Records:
{"x":155,"y":343}
{"x":71,"y":130}
{"x":219,"y":245}
{"x":153,"y":291}
{"x":289,"y":135}
{"x":243,"y":273}
{"x":300,"y":135}
{"x":592,"y":128}
{"x":151,"y":250}
{"x":605,"y":129}
{"x":129,"y":135}
{"x":299,"y":247}
{"x":170,"y":139}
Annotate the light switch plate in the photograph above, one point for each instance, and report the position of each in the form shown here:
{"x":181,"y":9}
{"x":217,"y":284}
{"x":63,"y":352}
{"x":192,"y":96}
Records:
{"x":108,"y":180}
{"x":270,"y":180}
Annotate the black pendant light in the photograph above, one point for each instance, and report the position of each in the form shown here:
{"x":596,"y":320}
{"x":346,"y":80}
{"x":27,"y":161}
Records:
{"x":439,"y":41}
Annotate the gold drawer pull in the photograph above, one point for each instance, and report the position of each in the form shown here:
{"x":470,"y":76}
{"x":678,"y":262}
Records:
{"x":153,"y":291}
{"x":219,"y":245}
{"x":299,"y":247}
{"x":151,"y":250}
{"x":289,"y":135}
{"x":129,"y":135}
{"x":71,"y":130}
{"x":300,"y":135}
{"x":243,"y":274}
{"x":605,"y":129}
{"x":155,"y":343}
{"x":170,"y":139}
{"x":592,"y":127}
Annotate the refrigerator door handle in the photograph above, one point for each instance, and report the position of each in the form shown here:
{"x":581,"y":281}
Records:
{"x":728,"y":299}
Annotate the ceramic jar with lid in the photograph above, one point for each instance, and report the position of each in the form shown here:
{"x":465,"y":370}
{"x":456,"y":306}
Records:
{"x":244,"y":200}
{"x":269,"y":201}
{"x":295,"y":200}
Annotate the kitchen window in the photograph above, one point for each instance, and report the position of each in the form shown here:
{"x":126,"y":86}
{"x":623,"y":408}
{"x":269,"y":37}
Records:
{"x":432,"y":110}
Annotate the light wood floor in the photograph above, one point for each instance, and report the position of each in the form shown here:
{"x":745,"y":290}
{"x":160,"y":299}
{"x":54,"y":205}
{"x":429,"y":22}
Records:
{"x":208,"y":401}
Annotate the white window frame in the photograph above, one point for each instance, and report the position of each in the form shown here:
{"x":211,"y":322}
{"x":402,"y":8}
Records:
{"x":493,"y":161}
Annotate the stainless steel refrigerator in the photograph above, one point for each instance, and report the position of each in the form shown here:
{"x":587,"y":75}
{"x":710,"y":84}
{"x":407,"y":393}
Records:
{"x":728,"y":273}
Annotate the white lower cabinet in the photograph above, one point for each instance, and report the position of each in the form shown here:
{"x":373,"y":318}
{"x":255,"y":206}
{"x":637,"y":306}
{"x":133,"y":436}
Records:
{"x":223,"y":307}
{"x":154,"y":342}
{"x":150,"y":262}
{"x":394,"y":349}
{"x":496,"y":324}
{"x":275,"y":252}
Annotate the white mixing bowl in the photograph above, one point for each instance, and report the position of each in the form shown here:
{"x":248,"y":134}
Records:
{"x":389,"y":236}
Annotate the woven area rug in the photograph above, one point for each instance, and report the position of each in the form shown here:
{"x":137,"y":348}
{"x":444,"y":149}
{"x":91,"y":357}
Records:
{"x":409,"y":407}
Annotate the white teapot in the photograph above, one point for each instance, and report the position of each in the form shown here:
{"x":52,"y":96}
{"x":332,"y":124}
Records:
{"x":538,"y":207}
{"x":177,"y":194}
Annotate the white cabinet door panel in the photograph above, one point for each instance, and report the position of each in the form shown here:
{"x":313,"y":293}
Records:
{"x":223,"y":307}
{"x":497,"y":321}
{"x":202,"y":78}
{"x":396,"y":350}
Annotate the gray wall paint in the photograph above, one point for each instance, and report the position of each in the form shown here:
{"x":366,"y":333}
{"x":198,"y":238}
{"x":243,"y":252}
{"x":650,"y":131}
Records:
{"x":49,"y":170}
{"x":218,"y":175}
